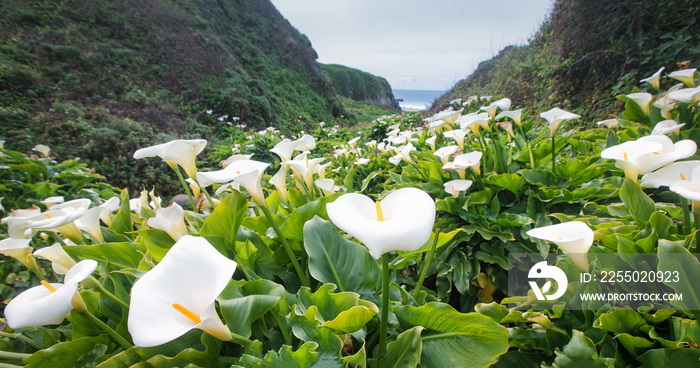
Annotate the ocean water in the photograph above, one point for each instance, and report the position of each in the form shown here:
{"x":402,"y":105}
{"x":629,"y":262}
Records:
{"x":416,"y":100}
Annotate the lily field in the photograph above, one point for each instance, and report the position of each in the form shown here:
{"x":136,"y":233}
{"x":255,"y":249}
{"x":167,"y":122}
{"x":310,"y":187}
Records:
{"x":392,"y":245}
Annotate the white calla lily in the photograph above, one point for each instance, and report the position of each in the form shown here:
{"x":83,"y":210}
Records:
{"x":61,"y":262}
{"x":514,"y":115}
{"x":454,"y":187}
{"x":279,"y":180}
{"x":609,"y":123}
{"x":445,"y":152}
{"x":50,"y":201}
{"x":689,"y":188}
{"x":170,"y":219}
{"x":555,"y":117}
{"x":18,"y":221}
{"x":110,"y":206}
{"x":431,"y":142}
{"x":48,"y":304}
{"x":686,"y":95}
{"x":18,"y":249}
{"x":669,"y":174}
{"x":90,"y":223}
{"x":642,"y":99}
{"x":403,"y":220}
{"x":43,"y":149}
{"x":654,"y":79}
{"x":177,"y":152}
{"x":178,"y":294}
{"x":58,"y":221}
{"x":574,"y":238}
{"x":629,"y":155}
{"x":469,"y":160}
{"x":666,"y":127}
{"x":458,"y":135}
{"x":687,"y":76}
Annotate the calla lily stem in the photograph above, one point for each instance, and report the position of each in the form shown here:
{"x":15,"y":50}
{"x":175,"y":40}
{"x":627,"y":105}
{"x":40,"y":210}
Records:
{"x":5,"y":365}
{"x":696,"y":216}
{"x":22,"y":338}
{"x":384,"y":323}
{"x":109,"y":295}
{"x":109,"y":330}
{"x":185,"y":187}
{"x":426,"y":265}
{"x":285,"y":245}
{"x":687,"y":229}
{"x":12,"y":356}
{"x":553,"y":156}
{"x":240,"y":340}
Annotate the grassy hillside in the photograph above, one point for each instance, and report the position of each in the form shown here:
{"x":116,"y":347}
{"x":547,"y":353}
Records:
{"x":359,"y":86}
{"x":587,"y":52}
{"x":98,"y":79}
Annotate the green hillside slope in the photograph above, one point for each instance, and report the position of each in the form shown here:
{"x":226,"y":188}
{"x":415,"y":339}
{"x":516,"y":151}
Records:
{"x":359,"y":86}
{"x":587,"y":52}
{"x":98,"y":79}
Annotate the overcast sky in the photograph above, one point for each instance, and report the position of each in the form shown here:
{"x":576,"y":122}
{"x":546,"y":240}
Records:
{"x":414,"y":44}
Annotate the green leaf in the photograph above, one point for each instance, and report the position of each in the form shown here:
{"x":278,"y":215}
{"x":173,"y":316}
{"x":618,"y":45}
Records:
{"x":244,"y":302}
{"x":293,"y":228}
{"x":344,"y":312}
{"x":455,"y":339}
{"x":285,"y":358}
{"x":620,"y":321}
{"x":512,"y":182}
{"x":123,"y":255}
{"x":158,"y":242}
{"x":405,"y":351}
{"x":539,"y":177}
{"x":121,"y":223}
{"x":580,"y":352}
{"x":670,"y":358}
{"x":639,"y":204}
{"x":65,"y":354}
{"x":675,"y":258}
{"x":334,"y":259}
{"x":226,"y":218}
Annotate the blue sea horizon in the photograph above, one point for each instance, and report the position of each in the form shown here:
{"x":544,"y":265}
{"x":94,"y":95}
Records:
{"x":416,"y":100}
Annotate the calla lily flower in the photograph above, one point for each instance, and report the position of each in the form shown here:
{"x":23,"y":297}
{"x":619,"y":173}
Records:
{"x":353,"y":142}
{"x":642,"y":99}
{"x":448,"y":116}
{"x":686,"y":95}
{"x":50,"y":201}
{"x":404,"y":153}
{"x":474,"y":121}
{"x":490,"y":109}
{"x":361,"y":161}
{"x":403,"y":220}
{"x":471,"y":159}
{"x":279,"y":180}
{"x":80,"y":203}
{"x":669,"y":174}
{"x":18,"y":249}
{"x":327,"y":186}
{"x":654,"y":79}
{"x":231,"y":172}
{"x":48,"y":304}
{"x":57,"y":221}
{"x":61,"y":262}
{"x":454,"y":187}
{"x":574,"y":238}
{"x":178,"y":152}
{"x":445,"y":152}
{"x":43,"y":149}
{"x":110,"y":206}
{"x":90,"y":223}
{"x":514,"y":115}
{"x":687,"y":76}
{"x":647,"y":154}
{"x":320,"y":169}
{"x":304,"y":168}
{"x":555,"y":117}
{"x":171,"y":220}
{"x":458,"y":135}
{"x":18,"y":221}
{"x":178,"y":294}
{"x":689,"y":188}
{"x":666,"y":127}
{"x":609,"y":123}
{"x":431,"y":142}
{"x":503,"y":104}
{"x":228,"y":161}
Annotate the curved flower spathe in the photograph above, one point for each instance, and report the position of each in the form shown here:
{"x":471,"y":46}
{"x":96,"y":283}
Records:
{"x":689,"y":188}
{"x":666,"y":127}
{"x":403,"y":220}
{"x":170,"y":219}
{"x":180,"y":152}
{"x":687,"y":76}
{"x":642,"y":99}
{"x":48,"y":304}
{"x":669,"y":174}
{"x":555,"y":117}
{"x":454,"y":187}
{"x":654,"y":79}
{"x":574,"y":238}
{"x":178,"y":294}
